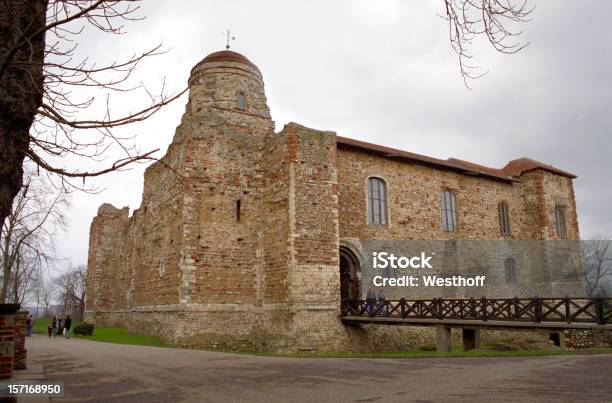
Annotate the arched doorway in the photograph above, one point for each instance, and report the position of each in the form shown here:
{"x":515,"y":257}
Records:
{"x":350,"y":274}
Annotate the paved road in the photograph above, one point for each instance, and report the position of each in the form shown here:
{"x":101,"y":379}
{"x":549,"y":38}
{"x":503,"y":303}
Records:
{"x":94,"y":371}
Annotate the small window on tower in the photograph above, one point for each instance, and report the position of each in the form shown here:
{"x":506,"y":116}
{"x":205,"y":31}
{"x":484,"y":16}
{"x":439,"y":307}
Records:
{"x":560,"y":222}
{"x":377,"y":201}
{"x":448,"y":208}
{"x":504,"y":218}
{"x":241,"y":102}
{"x":510,"y":269}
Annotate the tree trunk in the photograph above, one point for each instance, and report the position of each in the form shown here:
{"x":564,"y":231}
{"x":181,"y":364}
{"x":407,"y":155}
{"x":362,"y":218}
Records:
{"x":16,"y":270}
{"x":21,"y":88}
{"x":6,"y":272}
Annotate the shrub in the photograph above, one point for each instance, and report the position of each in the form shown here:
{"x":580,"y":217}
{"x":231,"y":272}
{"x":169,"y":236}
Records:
{"x":84,"y":328}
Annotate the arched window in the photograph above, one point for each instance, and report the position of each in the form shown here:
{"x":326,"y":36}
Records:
{"x":377,"y":201}
{"x":510,"y":269}
{"x":448,"y":208}
{"x":560,"y":221}
{"x":504,"y":218}
{"x":241,"y":101}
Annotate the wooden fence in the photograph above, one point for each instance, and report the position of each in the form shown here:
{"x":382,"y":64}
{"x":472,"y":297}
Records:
{"x":537,"y":310}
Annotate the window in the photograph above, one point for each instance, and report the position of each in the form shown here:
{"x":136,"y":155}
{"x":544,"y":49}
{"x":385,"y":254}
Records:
{"x":241,"y":101}
{"x":560,"y":221}
{"x":448,"y":208}
{"x":510,"y":269}
{"x":161,"y":267}
{"x":504,"y":218}
{"x":238,"y":203}
{"x":377,"y":201}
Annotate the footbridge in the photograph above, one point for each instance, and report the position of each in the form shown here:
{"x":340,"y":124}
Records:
{"x":473,"y":314}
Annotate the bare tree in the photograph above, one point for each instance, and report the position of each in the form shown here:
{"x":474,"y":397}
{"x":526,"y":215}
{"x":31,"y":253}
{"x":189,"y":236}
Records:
{"x":597,"y":263}
{"x":47,"y":295}
{"x":23,"y":275}
{"x":27,"y":237}
{"x":72,"y":287}
{"x":40,"y":79}
{"x":35,"y":293}
{"x":496,"y":20}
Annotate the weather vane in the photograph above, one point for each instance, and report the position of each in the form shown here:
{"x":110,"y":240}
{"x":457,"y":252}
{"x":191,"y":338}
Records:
{"x":228,"y":38}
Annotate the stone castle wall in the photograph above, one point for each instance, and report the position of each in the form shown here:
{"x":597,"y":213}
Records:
{"x":236,"y":242}
{"x":414,"y":201}
{"x":414,"y":214}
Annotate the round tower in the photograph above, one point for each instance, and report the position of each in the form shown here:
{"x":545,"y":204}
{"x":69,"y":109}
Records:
{"x":229,"y":85}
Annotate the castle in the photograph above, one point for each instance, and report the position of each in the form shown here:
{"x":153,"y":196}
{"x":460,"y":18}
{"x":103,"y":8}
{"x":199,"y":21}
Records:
{"x":252,"y":237}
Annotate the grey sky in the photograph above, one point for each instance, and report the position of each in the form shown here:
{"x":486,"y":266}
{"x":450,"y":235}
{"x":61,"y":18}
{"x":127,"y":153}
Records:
{"x":384,"y":72}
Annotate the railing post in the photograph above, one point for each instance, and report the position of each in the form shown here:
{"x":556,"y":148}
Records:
{"x":483,"y":309}
{"x":538,"y":309}
{"x":403,"y":308}
{"x":568,"y":313}
{"x":599,"y":311}
{"x":472,"y":308}
{"x":516,"y":308}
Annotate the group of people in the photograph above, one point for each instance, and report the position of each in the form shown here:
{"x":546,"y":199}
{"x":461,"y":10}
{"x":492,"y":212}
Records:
{"x":375,"y":304}
{"x":59,"y":327}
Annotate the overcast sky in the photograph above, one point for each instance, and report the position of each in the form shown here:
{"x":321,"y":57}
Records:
{"x":384,"y":72}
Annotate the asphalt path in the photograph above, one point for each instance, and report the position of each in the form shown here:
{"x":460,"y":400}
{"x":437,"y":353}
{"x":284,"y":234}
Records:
{"x":95,"y":371}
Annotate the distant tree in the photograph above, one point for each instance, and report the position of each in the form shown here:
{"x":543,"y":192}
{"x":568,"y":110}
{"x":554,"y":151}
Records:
{"x":23,"y":275}
{"x":27,"y":236}
{"x":597,"y":264}
{"x":72,"y":287}
{"x":47,"y":295}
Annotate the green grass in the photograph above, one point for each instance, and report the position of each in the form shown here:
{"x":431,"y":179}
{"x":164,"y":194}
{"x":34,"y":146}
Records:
{"x":118,"y":335}
{"x":40,"y":325}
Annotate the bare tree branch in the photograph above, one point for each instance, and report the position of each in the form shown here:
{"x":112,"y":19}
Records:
{"x":494,"y":19}
{"x":27,"y":236}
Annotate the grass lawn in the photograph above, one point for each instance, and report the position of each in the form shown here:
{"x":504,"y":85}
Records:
{"x":120,"y":335}
{"x":117,"y":335}
{"x":40,"y":325}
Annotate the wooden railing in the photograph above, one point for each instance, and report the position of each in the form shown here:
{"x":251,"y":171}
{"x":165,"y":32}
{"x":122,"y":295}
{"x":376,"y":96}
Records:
{"x":567,"y":310}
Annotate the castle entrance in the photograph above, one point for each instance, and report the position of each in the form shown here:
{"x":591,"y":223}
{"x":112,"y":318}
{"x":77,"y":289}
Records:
{"x":350,"y":275}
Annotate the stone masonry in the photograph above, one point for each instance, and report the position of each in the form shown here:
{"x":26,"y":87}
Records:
{"x":238,"y":238}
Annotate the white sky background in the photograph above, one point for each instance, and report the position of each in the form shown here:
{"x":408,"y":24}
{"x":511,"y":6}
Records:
{"x":383,"y":72}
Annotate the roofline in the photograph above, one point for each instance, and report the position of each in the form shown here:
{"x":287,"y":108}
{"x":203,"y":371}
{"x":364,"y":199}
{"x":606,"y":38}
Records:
{"x":422,"y":159}
{"x":534,"y":165}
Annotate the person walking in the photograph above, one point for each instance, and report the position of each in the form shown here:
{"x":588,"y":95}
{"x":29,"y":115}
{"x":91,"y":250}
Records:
{"x":29,"y":325}
{"x":370,"y":300}
{"x":55,"y":326}
{"x":67,"y":324}
{"x":381,"y":303}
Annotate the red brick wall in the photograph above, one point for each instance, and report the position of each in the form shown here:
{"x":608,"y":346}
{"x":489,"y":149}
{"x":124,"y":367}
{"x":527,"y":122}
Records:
{"x":13,"y":354}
